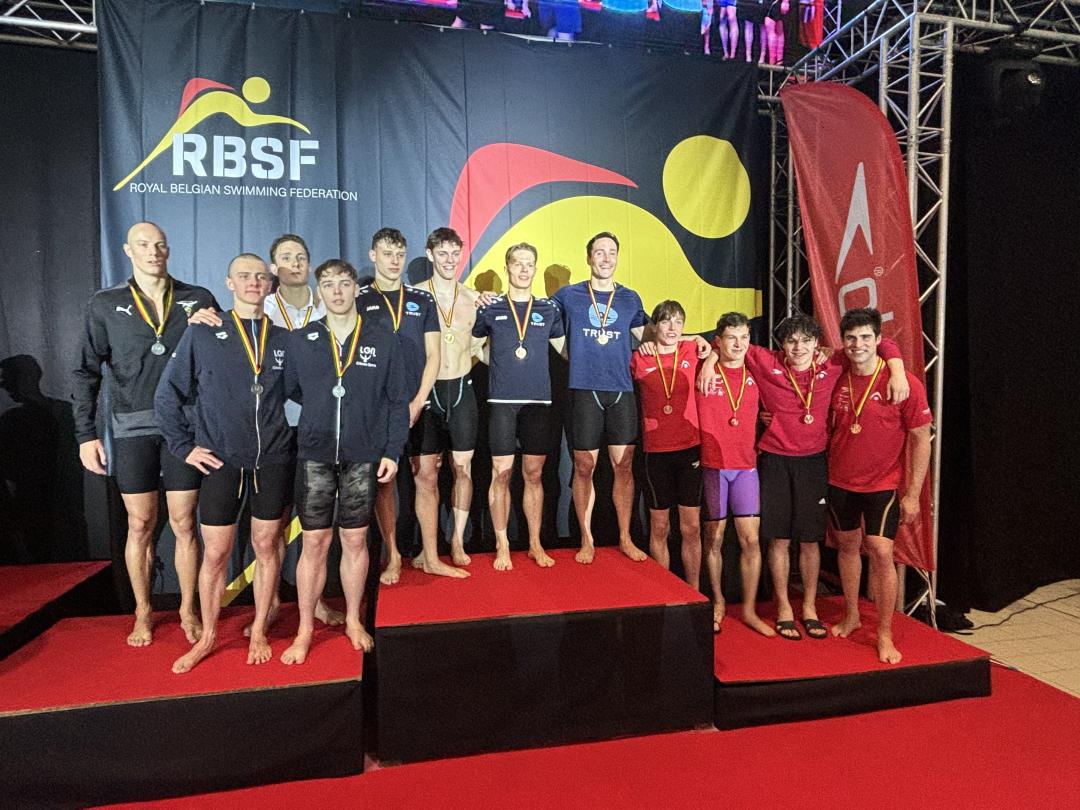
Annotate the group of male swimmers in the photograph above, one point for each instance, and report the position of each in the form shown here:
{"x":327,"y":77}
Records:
{"x":310,"y":398}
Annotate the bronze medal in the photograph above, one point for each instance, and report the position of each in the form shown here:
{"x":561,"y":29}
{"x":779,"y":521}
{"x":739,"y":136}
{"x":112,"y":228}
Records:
{"x":733,"y":421}
{"x":808,"y":418}
{"x":856,"y":428}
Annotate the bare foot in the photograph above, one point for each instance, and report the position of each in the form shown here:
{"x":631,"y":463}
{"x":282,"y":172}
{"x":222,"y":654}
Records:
{"x":418,"y":562}
{"x":437,"y":568}
{"x":143,"y":631}
{"x":359,"y":637}
{"x":719,"y":610}
{"x":297,"y":651}
{"x":585,"y":556}
{"x":845,"y":628}
{"x":887,"y":652}
{"x":542,"y":558}
{"x":633,"y":552}
{"x":271,"y":617}
{"x":754,"y":622}
{"x":187,"y":662}
{"x":259,"y":651}
{"x":191,"y":626}
{"x":392,"y":574}
{"x":328,"y":616}
{"x":458,"y":555}
{"x":502,"y":558}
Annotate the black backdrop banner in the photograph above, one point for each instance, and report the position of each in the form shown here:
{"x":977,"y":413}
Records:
{"x":1009,"y":515}
{"x":229,"y":125}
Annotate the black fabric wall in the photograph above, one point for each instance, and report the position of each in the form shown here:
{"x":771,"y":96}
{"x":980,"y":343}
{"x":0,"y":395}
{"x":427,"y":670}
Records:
{"x":1010,"y":499}
{"x":48,"y":269}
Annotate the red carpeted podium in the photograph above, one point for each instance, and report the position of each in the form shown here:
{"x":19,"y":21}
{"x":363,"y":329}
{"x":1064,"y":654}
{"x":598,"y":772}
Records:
{"x":534,"y":656}
{"x":86,"y":719}
{"x":773,"y":680}
{"x":34,"y":597}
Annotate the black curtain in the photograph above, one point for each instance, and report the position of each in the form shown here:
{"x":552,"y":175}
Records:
{"x":1010,"y":506}
{"x":49,"y":216}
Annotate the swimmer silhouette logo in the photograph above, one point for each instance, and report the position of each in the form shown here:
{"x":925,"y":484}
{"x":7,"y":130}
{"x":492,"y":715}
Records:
{"x":201,"y":159}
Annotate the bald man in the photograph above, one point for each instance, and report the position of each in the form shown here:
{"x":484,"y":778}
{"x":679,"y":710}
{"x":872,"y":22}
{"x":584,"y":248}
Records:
{"x":131,"y":329}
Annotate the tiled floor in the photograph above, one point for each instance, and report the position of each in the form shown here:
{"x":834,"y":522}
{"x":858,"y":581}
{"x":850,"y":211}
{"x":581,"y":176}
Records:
{"x":1041,"y":639}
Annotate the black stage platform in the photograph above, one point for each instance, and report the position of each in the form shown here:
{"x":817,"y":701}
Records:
{"x":85,"y":719}
{"x":773,"y":680}
{"x":34,"y":597}
{"x":534,"y":657}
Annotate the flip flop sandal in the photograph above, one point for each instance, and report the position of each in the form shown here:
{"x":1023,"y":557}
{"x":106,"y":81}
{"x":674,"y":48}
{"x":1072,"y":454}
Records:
{"x":786,"y":627}
{"x":815,"y":629}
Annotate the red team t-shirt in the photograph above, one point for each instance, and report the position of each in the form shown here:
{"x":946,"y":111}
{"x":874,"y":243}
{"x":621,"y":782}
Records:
{"x":789,"y":435}
{"x":661,"y":432}
{"x":725,"y":446}
{"x":872,"y":460}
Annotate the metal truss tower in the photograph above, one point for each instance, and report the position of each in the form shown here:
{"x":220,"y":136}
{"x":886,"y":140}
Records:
{"x":904,"y":50}
{"x":49,"y":22}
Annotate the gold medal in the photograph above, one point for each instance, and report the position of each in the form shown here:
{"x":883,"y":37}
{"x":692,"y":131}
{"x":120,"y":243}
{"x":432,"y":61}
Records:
{"x":857,"y":410}
{"x":808,"y":418}
{"x":448,"y":317}
{"x":255,"y":352}
{"x":521,"y":325}
{"x":733,"y":421}
{"x":668,"y":409}
{"x":603,"y":338}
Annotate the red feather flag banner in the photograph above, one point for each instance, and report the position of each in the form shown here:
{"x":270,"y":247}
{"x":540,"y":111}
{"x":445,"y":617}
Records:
{"x":859,"y":238}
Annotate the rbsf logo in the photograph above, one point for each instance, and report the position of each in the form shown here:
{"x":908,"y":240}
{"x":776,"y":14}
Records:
{"x":229,"y":155}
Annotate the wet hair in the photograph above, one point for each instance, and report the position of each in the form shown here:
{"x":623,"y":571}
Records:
{"x":520,"y":246}
{"x":391,"y":236}
{"x":335,"y":266}
{"x":601,"y":235}
{"x":666,"y":310}
{"x":798,"y":325}
{"x":731,"y":320}
{"x":863,"y":316}
{"x":440,"y":235}
{"x":288,"y":237}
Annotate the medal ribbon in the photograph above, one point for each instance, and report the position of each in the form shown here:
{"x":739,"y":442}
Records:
{"x":395,"y":315}
{"x":285,"y":314}
{"x":523,"y":324}
{"x":735,"y":403}
{"x":255,"y":359}
{"x":668,"y":389}
{"x":339,"y":367}
{"x":809,"y":398}
{"x":145,"y":313}
{"x":858,"y":409}
{"x":596,"y":306}
{"x":446,"y":320}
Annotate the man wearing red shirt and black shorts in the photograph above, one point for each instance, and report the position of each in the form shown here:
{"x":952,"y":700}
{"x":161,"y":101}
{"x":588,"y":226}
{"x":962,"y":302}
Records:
{"x":870,"y":439}
{"x":728,"y":414}
{"x":797,"y":390}
{"x":669,"y":429}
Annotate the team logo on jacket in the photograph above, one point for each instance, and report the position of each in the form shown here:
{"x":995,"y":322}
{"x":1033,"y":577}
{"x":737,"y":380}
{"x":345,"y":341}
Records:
{"x":538,"y":319}
{"x":365,"y":356}
{"x":188,"y":306}
{"x":279,"y":359}
{"x":612,"y":316}
{"x":312,"y":335}
{"x":412,"y":307}
{"x":221,"y":335}
{"x":126,"y":310}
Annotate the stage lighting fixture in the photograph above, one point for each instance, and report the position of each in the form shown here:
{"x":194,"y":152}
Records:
{"x":1016,"y":86}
